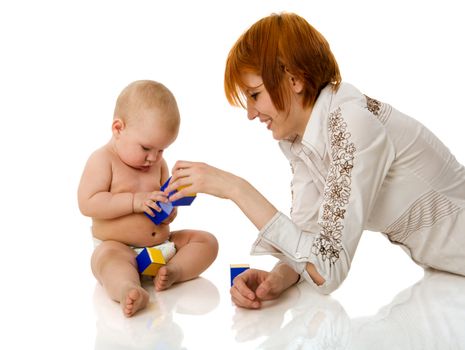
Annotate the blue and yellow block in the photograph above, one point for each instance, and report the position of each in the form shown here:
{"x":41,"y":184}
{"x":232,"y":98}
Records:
{"x":166,"y":208}
{"x":149,"y":261}
{"x":159,"y":217}
{"x":237,"y":269}
{"x":187,"y":200}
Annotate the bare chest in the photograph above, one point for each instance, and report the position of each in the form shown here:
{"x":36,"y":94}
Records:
{"x":127,"y":179}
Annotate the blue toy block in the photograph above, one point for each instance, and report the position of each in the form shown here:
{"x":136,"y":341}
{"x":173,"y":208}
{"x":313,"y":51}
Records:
{"x":149,"y":260}
{"x":165,"y":185}
{"x":166,"y":209}
{"x":184,"y":201}
{"x":237,"y":269}
{"x":187,"y":200}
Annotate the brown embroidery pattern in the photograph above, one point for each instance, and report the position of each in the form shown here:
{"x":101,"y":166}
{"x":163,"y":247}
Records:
{"x":292,"y":189}
{"x":374,"y":106}
{"x":337,"y":190}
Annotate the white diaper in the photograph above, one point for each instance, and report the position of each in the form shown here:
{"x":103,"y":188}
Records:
{"x":168,"y":249}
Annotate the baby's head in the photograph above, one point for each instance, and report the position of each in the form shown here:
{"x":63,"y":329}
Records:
{"x":145,"y":122}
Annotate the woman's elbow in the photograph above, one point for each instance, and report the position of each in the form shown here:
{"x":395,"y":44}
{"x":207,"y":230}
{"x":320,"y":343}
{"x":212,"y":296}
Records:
{"x":322,"y":286}
{"x":314,"y":274}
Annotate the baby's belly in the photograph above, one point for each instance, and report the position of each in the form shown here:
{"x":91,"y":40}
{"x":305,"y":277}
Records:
{"x":135,"y":230}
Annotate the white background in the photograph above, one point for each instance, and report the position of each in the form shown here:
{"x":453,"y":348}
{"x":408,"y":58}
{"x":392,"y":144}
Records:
{"x":62,"y":65}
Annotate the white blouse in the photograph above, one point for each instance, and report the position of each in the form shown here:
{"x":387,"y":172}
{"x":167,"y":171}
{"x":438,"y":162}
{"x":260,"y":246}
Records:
{"x":360,"y":165}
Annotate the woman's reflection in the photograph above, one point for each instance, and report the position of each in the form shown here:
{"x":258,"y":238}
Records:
{"x":428,"y":315}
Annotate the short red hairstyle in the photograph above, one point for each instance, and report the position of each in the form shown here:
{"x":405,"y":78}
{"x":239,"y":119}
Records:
{"x":277,"y":44}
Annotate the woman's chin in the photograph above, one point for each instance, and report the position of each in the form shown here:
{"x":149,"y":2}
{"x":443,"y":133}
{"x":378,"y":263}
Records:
{"x":277,"y":136}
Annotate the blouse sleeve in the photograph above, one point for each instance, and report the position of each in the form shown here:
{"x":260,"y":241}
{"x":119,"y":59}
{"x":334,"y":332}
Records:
{"x":360,"y":156}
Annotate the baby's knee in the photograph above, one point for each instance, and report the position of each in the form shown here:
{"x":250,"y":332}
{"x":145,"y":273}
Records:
{"x":210,"y":239}
{"x":188,"y":237}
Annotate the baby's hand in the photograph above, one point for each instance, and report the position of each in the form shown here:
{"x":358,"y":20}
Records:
{"x":146,"y":201}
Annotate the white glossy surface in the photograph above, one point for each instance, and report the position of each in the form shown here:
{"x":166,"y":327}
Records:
{"x":61,"y":67}
{"x":427,"y":315}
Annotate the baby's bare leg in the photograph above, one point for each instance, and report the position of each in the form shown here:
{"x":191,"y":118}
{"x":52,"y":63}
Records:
{"x":114,"y":265}
{"x":196,"y":251}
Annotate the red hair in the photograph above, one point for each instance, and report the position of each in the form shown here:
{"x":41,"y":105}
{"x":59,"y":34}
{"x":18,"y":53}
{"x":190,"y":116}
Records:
{"x":277,"y":44}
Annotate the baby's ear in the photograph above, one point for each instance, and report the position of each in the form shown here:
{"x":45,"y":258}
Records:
{"x":117,"y":126}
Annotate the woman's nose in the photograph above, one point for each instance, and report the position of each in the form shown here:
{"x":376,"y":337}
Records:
{"x":252,"y":113}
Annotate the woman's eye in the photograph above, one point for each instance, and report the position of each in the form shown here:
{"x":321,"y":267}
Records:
{"x":254,"y":96}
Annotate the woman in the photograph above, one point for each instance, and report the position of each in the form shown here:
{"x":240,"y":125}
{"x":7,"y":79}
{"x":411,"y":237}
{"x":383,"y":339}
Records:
{"x":357,"y":164}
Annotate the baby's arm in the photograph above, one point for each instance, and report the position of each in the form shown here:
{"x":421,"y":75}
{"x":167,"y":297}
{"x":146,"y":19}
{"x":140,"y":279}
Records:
{"x":94,"y":196}
{"x":135,"y":229}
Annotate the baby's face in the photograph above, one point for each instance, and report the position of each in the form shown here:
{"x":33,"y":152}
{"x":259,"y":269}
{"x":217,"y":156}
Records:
{"x":141,"y":142}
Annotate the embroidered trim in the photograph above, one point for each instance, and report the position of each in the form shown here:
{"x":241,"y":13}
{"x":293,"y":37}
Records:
{"x":337,"y":190}
{"x":374,"y":106}
{"x":292,"y":188}
{"x":380,"y":110}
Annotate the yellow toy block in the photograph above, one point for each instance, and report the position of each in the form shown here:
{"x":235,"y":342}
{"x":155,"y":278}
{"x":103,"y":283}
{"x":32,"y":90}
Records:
{"x":149,"y":261}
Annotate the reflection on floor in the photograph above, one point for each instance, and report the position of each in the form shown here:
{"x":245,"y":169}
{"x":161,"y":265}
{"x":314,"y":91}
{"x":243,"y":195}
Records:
{"x":428,"y":315}
{"x":154,"y":327}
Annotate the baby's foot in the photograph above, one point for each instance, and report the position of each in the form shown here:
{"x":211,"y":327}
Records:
{"x":133,"y":300}
{"x":166,"y":276}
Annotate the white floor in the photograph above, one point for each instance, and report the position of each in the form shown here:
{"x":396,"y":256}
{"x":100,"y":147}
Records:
{"x":196,"y":315}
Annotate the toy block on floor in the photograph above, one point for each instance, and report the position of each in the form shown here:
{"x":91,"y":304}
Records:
{"x":149,"y":261}
{"x":237,"y":269}
{"x":166,"y":209}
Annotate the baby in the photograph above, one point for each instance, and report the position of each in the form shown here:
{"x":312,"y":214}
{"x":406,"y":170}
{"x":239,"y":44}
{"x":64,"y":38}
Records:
{"x":120,"y":182}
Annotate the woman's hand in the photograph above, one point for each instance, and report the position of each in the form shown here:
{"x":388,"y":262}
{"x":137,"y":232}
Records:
{"x":192,"y":177}
{"x":195,"y":177}
{"x":253,"y":286}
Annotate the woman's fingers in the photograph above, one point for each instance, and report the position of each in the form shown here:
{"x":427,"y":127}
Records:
{"x":241,"y":284}
{"x":242,"y":299}
{"x":190,"y":178}
{"x":182,"y":179}
{"x":244,"y":286}
{"x":181,"y":169}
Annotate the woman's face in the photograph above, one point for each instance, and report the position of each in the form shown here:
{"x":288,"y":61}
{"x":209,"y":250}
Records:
{"x":282,"y":124}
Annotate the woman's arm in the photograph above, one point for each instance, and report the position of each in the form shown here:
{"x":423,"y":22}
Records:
{"x":203,"y":178}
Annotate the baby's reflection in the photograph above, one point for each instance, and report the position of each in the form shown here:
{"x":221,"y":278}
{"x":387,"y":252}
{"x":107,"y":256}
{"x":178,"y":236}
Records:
{"x":152,"y":328}
{"x":428,"y":315}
